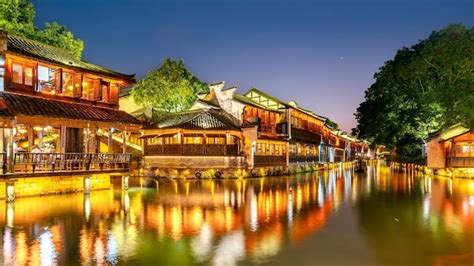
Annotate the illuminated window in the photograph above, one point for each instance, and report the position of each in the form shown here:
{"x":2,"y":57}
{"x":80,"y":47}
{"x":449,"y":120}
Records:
{"x":193,"y":140}
{"x":215,"y":140}
{"x":172,"y":140}
{"x":46,"y":79}
{"x":155,"y":141}
{"x":17,"y":72}
{"x":88,"y":88}
{"x":28,"y":76}
{"x":68,"y":84}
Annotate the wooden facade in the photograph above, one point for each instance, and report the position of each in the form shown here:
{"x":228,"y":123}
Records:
{"x":269,"y":133}
{"x":452,"y":148}
{"x":59,"y":113}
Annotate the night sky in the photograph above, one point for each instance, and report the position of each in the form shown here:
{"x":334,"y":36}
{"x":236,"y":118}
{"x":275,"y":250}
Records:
{"x":323,"y":54}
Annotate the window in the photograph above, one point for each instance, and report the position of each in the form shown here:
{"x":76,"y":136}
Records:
{"x":105,"y":91}
{"x":17,"y":72}
{"x":216,"y":140}
{"x":68,"y":84}
{"x":155,"y":141}
{"x":172,"y":140}
{"x":193,"y":140}
{"x":46,"y":79}
{"x":464,"y":149}
{"x":88,"y":88}
{"x":28,"y":76}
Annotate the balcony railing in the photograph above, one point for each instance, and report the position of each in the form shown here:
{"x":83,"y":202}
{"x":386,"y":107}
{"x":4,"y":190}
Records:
{"x":265,"y":160}
{"x":192,"y":149}
{"x":303,"y":158}
{"x":460,"y":161}
{"x":66,"y":162}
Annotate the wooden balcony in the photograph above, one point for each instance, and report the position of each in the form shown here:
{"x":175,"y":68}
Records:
{"x":460,"y":162}
{"x":192,"y":149}
{"x":303,"y":159}
{"x":267,"y":160}
{"x":64,"y":162}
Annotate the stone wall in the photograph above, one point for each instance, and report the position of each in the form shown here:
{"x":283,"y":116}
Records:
{"x":36,"y":186}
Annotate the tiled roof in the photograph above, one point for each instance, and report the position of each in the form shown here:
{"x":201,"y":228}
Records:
{"x":55,"y":55}
{"x":197,"y":119}
{"x":34,"y":106}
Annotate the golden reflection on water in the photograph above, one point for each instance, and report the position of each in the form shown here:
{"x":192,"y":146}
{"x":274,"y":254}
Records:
{"x":221,"y":221}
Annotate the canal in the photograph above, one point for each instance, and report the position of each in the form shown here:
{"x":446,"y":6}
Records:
{"x":330,"y":217}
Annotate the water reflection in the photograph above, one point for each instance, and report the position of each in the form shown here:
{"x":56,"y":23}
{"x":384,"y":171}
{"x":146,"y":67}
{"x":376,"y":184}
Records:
{"x":400,"y":218}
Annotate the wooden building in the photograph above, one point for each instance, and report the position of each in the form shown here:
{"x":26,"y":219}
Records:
{"x":192,"y":142}
{"x":274,"y":136}
{"x":451,"y":151}
{"x":58,"y":113}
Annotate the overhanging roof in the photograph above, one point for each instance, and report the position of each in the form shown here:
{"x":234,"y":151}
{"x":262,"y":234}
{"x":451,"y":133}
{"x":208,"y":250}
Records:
{"x":16,"y":104}
{"x":62,"y":57}
{"x":202,"y":119}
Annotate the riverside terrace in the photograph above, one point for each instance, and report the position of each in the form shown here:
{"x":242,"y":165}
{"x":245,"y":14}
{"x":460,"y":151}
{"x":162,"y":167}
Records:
{"x":59,"y":116}
{"x":226,"y":134}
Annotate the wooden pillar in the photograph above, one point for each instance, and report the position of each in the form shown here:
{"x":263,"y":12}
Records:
{"x":181,"y":141}
{"x":62,"y":148}
{"x":31,"y":138}
{"x":86,"y":140}
{"x":10,"y":151}
{"x":124,"y":141}
{"x":110,"y":141}
{"x":204,"y":143}
{"x":227,"y":139}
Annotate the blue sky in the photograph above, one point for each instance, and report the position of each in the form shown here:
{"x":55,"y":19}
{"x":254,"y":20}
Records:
{"x":323,"y":54}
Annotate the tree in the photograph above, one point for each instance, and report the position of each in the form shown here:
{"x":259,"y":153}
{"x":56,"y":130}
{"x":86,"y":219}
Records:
{"x":17,"y":17}
{"x":170,"y":88}
{"x":424,"y":88}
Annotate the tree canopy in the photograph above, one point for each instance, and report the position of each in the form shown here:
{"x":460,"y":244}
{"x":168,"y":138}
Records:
{"x":17,"y":17}
{"x":426,"y":87}
{"x":170,"y":88}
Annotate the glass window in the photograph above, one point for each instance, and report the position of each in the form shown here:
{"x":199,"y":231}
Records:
{"x":68,"y":84}
{"x":17,"y":72}
{"x":215,"y":140}
{"x":155,"y":141}
{"x":77,"y":85}
{"x":172,"y":140}
{"x":193,"y":140}
{"x":46,"y":79}
{"x":88,"y":88}
{"x":29,"y":76}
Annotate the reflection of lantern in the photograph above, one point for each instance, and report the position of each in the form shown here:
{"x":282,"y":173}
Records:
{"x":22,"y":130}
{"x":48,"y":128}
{"x":37,"y":128}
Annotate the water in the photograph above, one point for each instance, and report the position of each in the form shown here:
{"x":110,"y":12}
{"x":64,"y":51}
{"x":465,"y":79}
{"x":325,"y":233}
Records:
{"x":323,"y":218}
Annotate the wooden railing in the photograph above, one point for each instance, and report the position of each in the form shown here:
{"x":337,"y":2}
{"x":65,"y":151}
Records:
{"x":460,"y":162}
{"x":192,"y":149}
{"x":303,"y":158}
{"x":52,"y":162}
{"x":264,"y":160}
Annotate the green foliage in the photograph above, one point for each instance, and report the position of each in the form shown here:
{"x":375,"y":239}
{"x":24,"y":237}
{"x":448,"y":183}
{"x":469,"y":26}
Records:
{"x":332,"y":124}
{"x":170,"y":88}
{"x":424,"y":88}
{"x":17,"y":16}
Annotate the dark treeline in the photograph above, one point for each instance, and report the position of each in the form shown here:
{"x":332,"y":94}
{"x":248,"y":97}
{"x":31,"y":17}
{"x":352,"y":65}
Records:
{"x":425,"y":88}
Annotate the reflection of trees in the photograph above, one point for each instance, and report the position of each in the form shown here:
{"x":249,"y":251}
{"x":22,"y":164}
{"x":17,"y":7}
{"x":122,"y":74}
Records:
{"x":415,"y":217}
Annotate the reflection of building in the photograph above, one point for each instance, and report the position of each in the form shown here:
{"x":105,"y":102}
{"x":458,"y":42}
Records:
{"x":451,"y":151}
{"x":272,"y":136}
{"x":58,"y":112}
